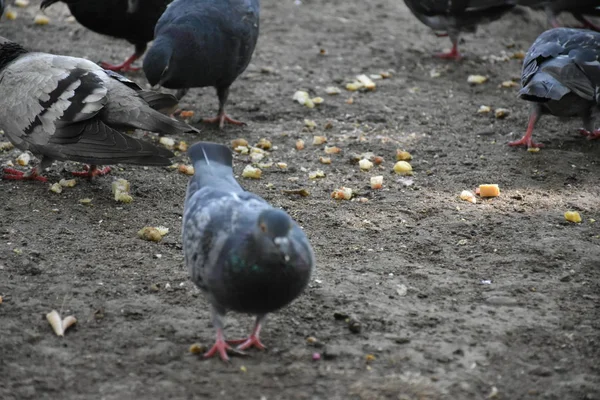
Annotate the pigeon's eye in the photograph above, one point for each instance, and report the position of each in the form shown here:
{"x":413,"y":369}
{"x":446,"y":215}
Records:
{"x":263,"y":227}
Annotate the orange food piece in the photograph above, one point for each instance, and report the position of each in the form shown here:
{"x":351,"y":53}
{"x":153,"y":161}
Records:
{"x":489,"y":191}
{"x":186,"y":114}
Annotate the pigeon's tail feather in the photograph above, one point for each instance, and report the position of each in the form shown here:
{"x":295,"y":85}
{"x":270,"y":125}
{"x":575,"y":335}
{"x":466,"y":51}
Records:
{"x":213,"y":166}
{"x":542,"y":87}
{"x":151,"y":120}
{"x":163,"y":102}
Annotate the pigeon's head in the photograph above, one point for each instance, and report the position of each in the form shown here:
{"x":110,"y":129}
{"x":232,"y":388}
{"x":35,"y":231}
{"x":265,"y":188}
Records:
{"x":156,"y":62}
{"x":275,"y":226}
{"x":47,"y":3}
{"x":9,"y":50}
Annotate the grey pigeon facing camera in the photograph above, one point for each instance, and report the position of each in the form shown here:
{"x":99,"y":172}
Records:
{"x":67,"y":108}
{"x":561,"y":77}
{"x":201,"y":43}
{"x":451,"y":17}
{"x":244,"y":254}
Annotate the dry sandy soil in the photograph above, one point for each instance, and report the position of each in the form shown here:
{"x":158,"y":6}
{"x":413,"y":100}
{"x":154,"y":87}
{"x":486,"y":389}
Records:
{"x":454,"y":300}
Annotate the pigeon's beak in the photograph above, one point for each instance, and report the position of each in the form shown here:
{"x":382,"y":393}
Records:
{"x":283,"y":244}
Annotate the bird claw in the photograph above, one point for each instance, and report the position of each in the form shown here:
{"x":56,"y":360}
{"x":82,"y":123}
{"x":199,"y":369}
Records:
{"x":526,"y":141}
{"x":222,"y":348}
{"x":221,"y":119}
{"x":245,"y":344}
{"x":451,"y":55}
{"x":16,"y":175}
{"x":590,"y":135}
{"x":91,"y":172}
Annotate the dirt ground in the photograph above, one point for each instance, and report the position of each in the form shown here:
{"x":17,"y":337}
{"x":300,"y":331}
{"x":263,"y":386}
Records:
{"x":454,"y":300}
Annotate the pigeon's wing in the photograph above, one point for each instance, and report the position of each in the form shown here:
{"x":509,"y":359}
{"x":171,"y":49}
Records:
{"x":302,"y":251}
{"x":51,"y":103}
{"x":40,"y":93}
{"x":244,"y":25}
{"x":136,"y":109}
{"x":216,"y":209}
{"x":213,"y":219}
{"x":455,"y":7}
{"x":554,"y":43}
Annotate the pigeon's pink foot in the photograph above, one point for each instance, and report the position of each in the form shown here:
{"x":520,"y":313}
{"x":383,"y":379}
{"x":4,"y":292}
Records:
{"x":221,"y":119}
{"x":590,"y":25}
{"x":590,"y":135}
{"x":440,"y":34}
{"x":252,"y":341}
{"x":451,"y":55}
{"x":527,"y":140}
{"x":16,"y":175}
{"x":92,"y":171}
{"x":124,"y":67}
{"x":220,"y":347}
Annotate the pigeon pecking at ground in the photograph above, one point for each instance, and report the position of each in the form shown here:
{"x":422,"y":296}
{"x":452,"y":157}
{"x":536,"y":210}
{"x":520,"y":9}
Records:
{"x":580,"y":9}
{"x":451,"y":17}
{"x":66,"y":108}
{"x":244,"y":254}
{"x":131,"y":20}
{"x":201,"y":43}
{"x":561,"y":77}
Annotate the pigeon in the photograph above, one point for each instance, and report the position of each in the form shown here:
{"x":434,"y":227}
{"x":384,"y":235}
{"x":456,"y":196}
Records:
{"x":244,"y":254}
{"x":199,"y":43}
{"x":67,"y":108}
{"x":580,"y":9}
{"x":451,"y":17}
{"x":561,"y":77}
{"x":125,"y":19}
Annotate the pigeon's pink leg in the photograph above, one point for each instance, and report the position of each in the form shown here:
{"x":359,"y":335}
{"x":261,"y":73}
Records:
{"x":124,"y":67}
{"x":221,"y":118}
{"x":451,"y":55}
{"x":220,"y":347}
{"x":590,"y":135}
{"x":253,"y":340}
{"x":92,"y":171}
{"x":554,"y":22}
{"x":526,"y":139}
{"x":16,"y":175}
{"x":589,"y":24}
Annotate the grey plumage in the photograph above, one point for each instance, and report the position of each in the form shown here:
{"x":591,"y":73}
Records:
{"x":451,"y":17}
{"x":200,"y":43}
{"x":580,"y":9}
{"x":244,"y":254}
{"x":561,"y":77}
{"x":67,"y":108}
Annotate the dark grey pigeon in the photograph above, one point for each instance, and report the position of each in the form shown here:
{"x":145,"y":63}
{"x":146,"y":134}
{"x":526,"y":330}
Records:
{"x":67,"y":108}
{"x":581,"y":10}
{"x":200,"y":43}
{"x":245,"y":255}
{"x":451,"y":17}
{"x":561,"y":77}
{"x":132,"y":20}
